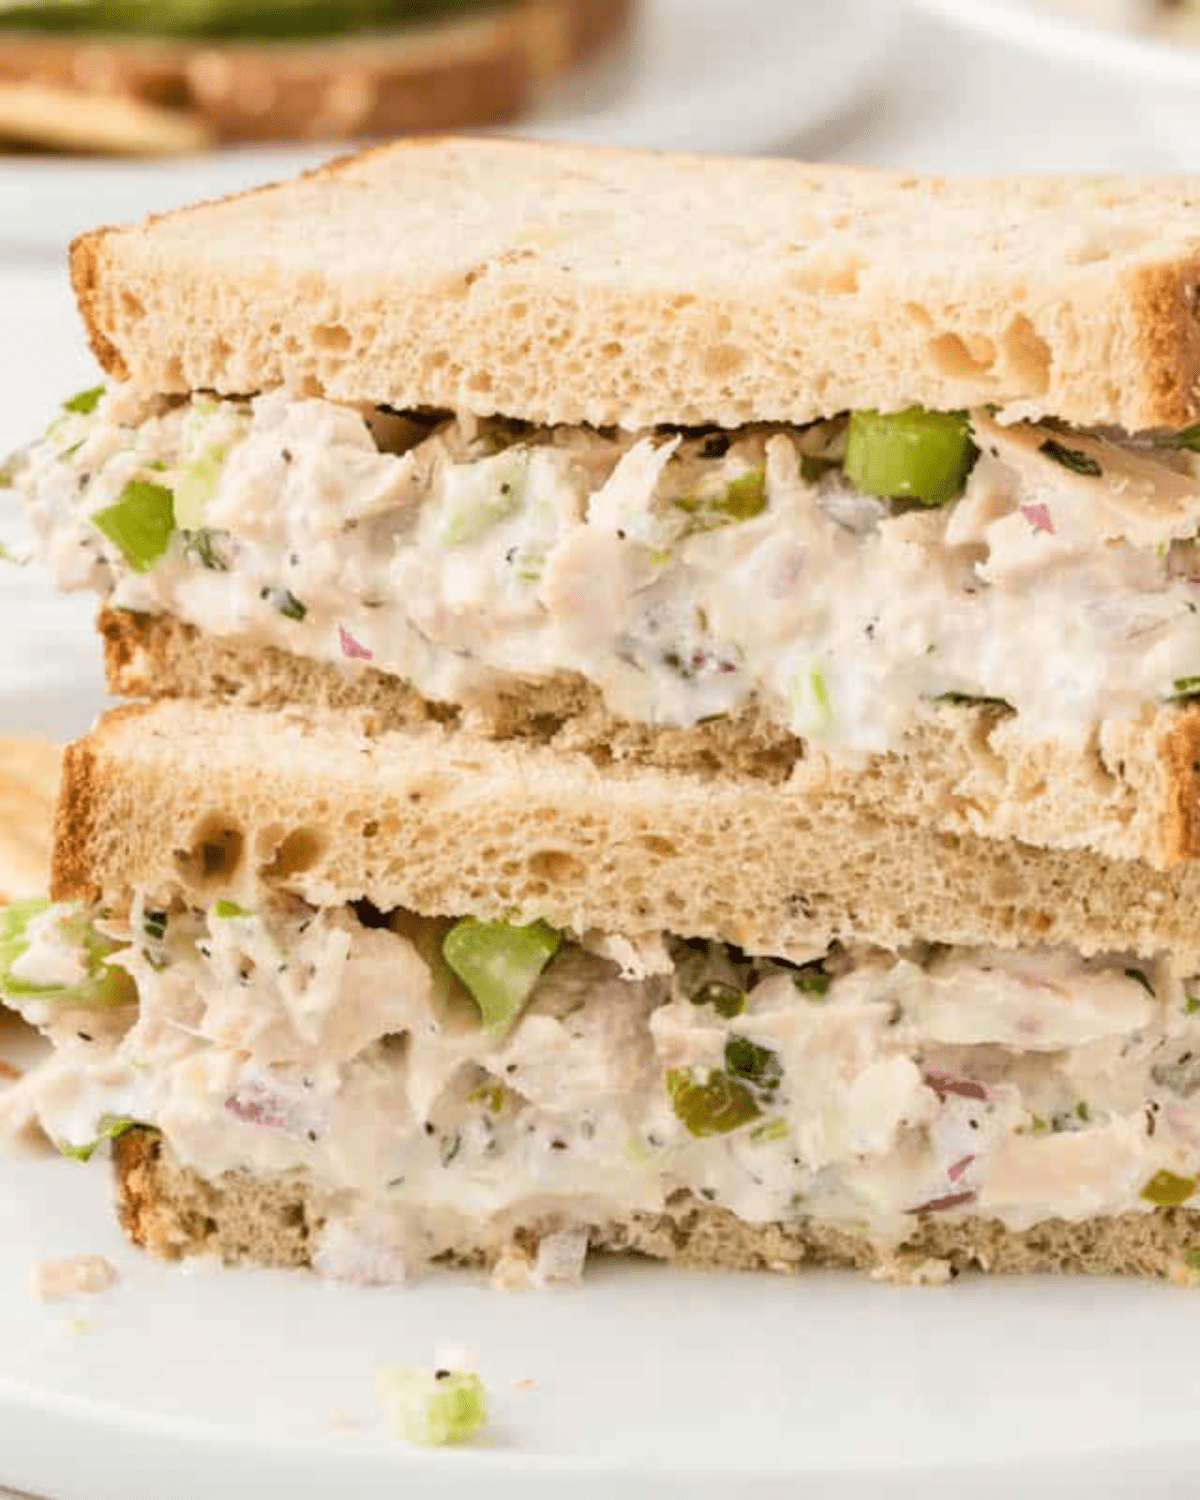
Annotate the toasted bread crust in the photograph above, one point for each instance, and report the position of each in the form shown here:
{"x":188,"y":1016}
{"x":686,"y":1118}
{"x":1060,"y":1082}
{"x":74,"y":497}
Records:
{"x":649,"y":288}
{"x":475,"y":70}
{"x":172,"y":1212}
{"x":1134,"y":794}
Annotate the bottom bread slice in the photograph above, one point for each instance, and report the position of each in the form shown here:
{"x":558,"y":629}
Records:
{"x":171,"y":1211}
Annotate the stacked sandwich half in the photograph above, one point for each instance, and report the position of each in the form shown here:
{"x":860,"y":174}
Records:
{"x":666,"y":719}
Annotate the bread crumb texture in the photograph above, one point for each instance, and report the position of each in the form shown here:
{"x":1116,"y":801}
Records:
{"x":560,"y":284}
{"x":172,"y":1212}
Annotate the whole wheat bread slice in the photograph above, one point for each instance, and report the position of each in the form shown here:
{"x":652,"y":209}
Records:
{"x":474,"y":70}
{"x":176,"y":798}
{"x":560,"y":284}
{"x":173,"y":1212}
{"x":1134,"y":794}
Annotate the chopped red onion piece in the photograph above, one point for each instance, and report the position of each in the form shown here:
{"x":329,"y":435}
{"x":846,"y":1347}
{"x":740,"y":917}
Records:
{"x":1038,"y":517}
{"x":939,"y":1205}
{"x":255,"y":1104}
{"x":966,"y":1088}
{"x":351,"y":648}
{"x":959,"y":1167}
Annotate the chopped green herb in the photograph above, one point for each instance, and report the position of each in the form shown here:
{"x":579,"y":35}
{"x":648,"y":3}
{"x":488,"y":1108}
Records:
{"x":1082,"y":1110}
{"x":713,"y":1104}
{"x":1166,"y":1190}
{"x":770,"y":1130}
{"x":1191,"y":1259}
{"x":971,"y":700}
{"x":154,"y":925}
{"x":1191,"y":1004}
{"x":108,"y":1128}
{"x":86,"y":402}
{"x":285,"y":602}
{"x":139,"y":523}
{"x":724,"y":998}
{"x":1071,"y":458}
{"x":199,"y":544}
{"x":1038,"y":1124}
{"x":1188,"y":438}
{"x":757,"y":1065}
{"x":1186,"y":687}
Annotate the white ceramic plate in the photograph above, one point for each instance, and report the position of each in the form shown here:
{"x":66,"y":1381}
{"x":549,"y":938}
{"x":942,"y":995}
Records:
{"x":661,"y":1385}
{"x":1056,"y":32}
{"x":704,"y":75}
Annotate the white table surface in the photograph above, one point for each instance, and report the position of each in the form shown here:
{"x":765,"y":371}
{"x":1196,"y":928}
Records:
{"x":947,"y":103}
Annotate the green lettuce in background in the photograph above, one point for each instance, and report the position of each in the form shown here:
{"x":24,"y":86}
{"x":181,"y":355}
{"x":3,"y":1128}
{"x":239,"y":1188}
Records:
{"x":223,"y":20}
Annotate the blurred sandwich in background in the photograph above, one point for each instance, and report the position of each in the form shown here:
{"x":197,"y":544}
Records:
{"x":131,"y":78}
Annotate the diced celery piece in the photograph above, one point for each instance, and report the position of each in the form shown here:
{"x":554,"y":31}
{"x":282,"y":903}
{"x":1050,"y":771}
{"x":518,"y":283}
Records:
{"x":86,"y":402}
{"x":500,"y":964}
{"x":103,"y":983}
{"x":1166,"y":1190}
{"x":108,"y":1128}
{"x":712,"y":1103}
{"x":230,"y":911}
{"x":909,"y":455}
{"x":741,"y":499}
{"x":432,"y":1407}
{"x":140,"y":523}
{"x":196,"y":486}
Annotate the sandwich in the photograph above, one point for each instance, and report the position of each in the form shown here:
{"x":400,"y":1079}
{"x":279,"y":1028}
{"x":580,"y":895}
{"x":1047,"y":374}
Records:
{"x":124,"y":76}
{"x":665,"y":720}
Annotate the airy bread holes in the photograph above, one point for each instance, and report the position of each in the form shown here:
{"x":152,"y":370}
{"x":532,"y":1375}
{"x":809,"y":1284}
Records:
{"x":555,"y":865}
{"x":960,"y":360}
{"x":214,"y":855}
{"x":1027,"y":355}
{"x":332,"y":338}
{"x":298,"y":852}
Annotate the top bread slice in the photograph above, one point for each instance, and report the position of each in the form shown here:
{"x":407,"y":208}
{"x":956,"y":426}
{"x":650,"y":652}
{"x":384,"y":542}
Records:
{"x":565,"y":284}
{"x":178,"y":800}
{"x":478,"y":69}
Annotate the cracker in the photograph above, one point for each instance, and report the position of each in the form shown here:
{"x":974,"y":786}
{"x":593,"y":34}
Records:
{"x":50,"y":118}
{"x":28,"y":790}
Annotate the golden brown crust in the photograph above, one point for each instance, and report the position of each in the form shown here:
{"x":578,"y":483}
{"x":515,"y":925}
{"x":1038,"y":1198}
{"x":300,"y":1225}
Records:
{"x":79,"y":794}
{"x":1181,"y":776}
{"x":1166,"y":301}
{"x":471,"y":71}
{"x":172,"y":1212}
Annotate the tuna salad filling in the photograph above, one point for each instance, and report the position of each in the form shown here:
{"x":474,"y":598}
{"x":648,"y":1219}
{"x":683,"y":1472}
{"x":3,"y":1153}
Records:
{"x":848,"y":577}
{"x":439,"y":1085}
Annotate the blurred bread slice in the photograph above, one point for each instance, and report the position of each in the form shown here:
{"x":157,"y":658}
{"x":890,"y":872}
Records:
{"x":481,"y":69}
{"x":28,"y":788}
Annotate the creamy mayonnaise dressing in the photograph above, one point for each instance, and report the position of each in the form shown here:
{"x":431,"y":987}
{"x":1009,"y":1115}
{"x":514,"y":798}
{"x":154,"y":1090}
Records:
{"x":857,"y":1090}
{"x":683,"y":576}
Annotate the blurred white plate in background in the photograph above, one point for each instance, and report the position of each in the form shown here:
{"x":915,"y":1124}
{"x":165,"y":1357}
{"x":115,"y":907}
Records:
{"x":1161,"y":73}
{"x":701,"y":75}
